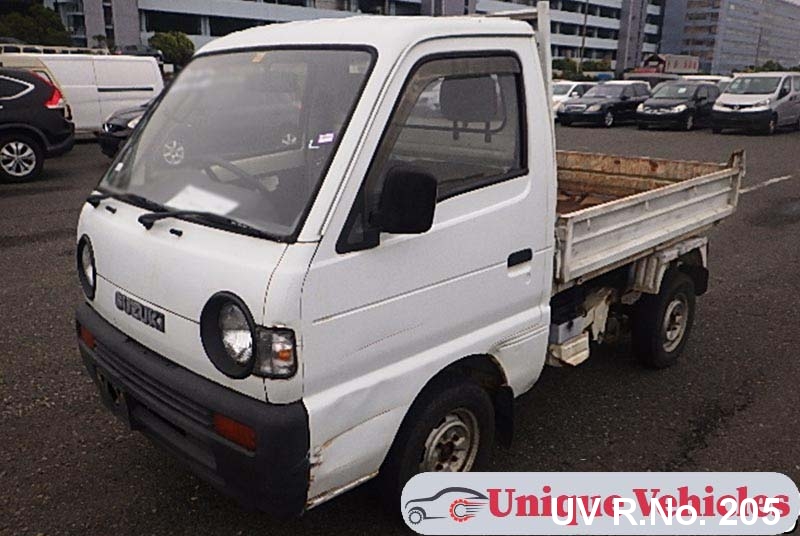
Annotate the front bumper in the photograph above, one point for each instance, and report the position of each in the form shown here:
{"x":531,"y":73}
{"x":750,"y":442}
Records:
{"x":110,"y":142}
{"x":741,"y":120}
{"x":582,"y":117}
{"x":175,"y":408}
{"x":661,"y":120}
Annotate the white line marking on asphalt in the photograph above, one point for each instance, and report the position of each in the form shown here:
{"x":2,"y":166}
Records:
{"x":764,"y":184}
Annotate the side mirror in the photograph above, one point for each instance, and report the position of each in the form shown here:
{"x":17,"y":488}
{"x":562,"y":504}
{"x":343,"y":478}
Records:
{"x":624,"y":97}
{"x":575,"y":94}
{"x":407,"y":202}
{"x":784,"y":91}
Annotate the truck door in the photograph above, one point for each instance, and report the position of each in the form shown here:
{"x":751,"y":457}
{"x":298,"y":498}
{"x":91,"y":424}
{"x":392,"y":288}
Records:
{"x":383,"y":313}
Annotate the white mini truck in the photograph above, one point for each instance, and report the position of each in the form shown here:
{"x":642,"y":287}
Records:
{"x":340,"y":249}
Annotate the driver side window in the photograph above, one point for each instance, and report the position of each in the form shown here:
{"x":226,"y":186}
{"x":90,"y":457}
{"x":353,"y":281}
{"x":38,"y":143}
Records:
{"x":459,"y":120}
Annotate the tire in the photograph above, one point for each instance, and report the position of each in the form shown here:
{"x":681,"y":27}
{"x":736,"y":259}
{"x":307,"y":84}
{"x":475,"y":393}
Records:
{"x":688,"y":123}
{"x":441,"y":409}
{"x":772,"y":126}
{"x":609,"y":119}
{"x":663,"y":322}
{"x":641,"y":126}
{"x":716,"y":130}
{"x":566,"y":122}
{"x":21,"y":158}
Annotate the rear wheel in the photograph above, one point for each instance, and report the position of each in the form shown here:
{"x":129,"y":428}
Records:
{"x":449,"y":428}
{"x":662,"y":322}
{"x":608,"y":119}
{"x":21,"y":158}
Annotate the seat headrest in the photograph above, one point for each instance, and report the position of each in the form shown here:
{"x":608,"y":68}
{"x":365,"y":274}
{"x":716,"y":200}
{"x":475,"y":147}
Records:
{"x":469,"y":100}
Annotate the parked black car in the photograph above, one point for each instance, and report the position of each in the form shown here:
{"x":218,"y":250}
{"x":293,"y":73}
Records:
{"x":118,"y":128}
{"x":34,"y":124}
{"x":606,"y":104}
{"x":681,"y":104}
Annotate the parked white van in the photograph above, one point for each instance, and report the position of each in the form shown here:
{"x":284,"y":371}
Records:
{"x":759,"y":102}
{"x":298,"y":294}
{"x":96,"y":86}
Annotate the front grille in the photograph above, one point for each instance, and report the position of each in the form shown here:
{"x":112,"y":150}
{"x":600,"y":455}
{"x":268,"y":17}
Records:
{"x":146,"y":389}
{"x":575,"y":108}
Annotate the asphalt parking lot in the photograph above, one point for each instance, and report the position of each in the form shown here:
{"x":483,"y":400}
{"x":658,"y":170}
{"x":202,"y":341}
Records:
{"x":68,"y":467}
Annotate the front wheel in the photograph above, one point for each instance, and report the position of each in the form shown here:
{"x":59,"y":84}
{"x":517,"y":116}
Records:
{"x":21,"y":158}
{"x":449,"y":428}
{"x":772,"y":126}
{"x":662,"y":322}
{"x":609,"y":119}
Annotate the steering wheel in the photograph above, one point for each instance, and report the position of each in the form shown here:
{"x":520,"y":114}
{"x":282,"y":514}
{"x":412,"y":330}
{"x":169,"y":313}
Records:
{"x":208,"y":161}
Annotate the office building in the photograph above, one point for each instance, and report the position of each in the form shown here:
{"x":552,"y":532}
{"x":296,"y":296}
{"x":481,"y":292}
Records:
{"x":731,"y":35}
{"x":597,"y":29}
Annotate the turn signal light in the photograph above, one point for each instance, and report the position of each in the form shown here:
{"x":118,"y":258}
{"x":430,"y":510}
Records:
{"x":87,"y":337}
{"x":235,"y":431}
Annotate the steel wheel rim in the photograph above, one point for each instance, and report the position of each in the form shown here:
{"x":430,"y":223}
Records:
{"x":608,"y":119}
{"x":17,"y":158}
{"x":452,"y":445}
{"x":676,"y":319}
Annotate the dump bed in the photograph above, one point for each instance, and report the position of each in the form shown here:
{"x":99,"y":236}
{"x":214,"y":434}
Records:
{"x":613,"y":210}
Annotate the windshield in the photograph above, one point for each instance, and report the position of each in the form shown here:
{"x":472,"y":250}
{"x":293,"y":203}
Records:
{"x":754,"y":85}
{"x":604,"y":90}
{"x":674,"y":91}
{"x":561,"y":89}
{"x":245,"y":135}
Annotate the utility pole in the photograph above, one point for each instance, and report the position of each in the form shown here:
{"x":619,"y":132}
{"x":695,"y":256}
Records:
{"x":583,"y":35}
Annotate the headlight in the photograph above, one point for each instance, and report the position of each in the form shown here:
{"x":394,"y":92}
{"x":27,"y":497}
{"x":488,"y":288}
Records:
{"x":640,"y":108}
{"x":594,"y":108}
{"x":678,"y":109}
{"x":762,"y":104}
{"x":239,"y":348}
{"x":133,"y":122}
{"x":718,"y":107}
{"x":87,"y":272}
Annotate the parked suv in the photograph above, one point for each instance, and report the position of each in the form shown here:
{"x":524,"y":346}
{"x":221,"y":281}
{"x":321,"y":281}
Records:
{"x":759,"y":101}
{"x":606,"y":104}
{"x":34,"y":124}
{"x":683,"y":104}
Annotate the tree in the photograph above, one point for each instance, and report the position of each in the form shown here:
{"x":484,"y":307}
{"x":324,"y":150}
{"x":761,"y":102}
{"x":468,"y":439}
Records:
{"x":32,"y":23}
{"x":176,"y":47}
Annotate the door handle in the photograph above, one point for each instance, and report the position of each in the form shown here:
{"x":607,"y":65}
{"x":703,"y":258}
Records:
{"x":520,"y":257}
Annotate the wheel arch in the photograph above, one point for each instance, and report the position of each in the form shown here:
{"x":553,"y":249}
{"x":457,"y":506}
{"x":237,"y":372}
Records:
{"x":28,"y":130}
{"x":486,"y":371}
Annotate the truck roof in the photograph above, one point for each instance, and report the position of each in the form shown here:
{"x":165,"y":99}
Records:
{"x":378,"y":31}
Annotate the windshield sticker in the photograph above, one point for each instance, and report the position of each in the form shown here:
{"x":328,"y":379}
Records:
{"x":325,"y":138}
{"x":119,"y":167}
{"x":681,"y":90}
{"x":194,"y":198}
{"x":258,"y":56}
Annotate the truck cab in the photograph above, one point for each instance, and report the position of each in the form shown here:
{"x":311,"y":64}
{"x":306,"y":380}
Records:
{"x":327,"y":254}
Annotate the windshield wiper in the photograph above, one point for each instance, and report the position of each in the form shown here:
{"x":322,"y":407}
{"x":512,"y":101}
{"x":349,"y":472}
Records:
{"x":222,"y":222}
{"x":133,"y":199}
